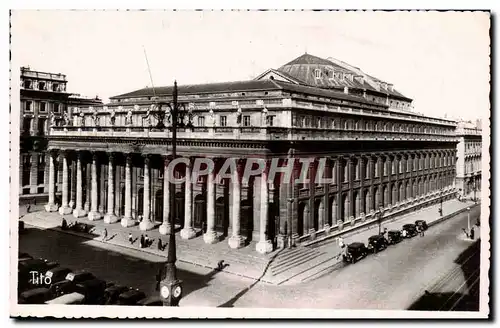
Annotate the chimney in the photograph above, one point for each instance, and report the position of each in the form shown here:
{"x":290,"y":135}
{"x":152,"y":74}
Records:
{"x":346,"y":90}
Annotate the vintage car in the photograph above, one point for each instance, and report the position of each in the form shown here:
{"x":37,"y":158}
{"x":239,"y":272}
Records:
{"x":131,"y":297}
{"x":71,"y":298}
{"x":28,"y":268}
{"x":151,"y":301}
{"x":93,"y":290}
{"x":79,"y":276}
{"x":354,"y":252}
{"x":393,"y":237}
{"x":112,"y":293}
{"x":422,"y":224}
{"x":411,"y":230}
{"x":35,"y":296}
{"x":57,"y":274}
{"x":22,"y":229}
{"x":24,"y":257}
{"x":377,"y":243}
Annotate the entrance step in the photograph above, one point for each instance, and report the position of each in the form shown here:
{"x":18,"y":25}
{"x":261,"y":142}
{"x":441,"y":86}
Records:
{"x":308,"y":270}
{"x":293,"y":259}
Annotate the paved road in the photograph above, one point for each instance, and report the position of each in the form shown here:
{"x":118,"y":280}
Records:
{"x":393,"y":279}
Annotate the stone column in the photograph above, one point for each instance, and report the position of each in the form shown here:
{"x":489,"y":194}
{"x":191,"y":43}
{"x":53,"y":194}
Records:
{"x":79,"y":211}
{"x":236,"y":240}
{"x":210,"y":237}
{"x":264,"y":245}
{"x":110,"y":216}
{"x":94,"y":211}
{"x":72,"y":201}
{"x":188,"y":232}
{"x":65,"y":209}
{"x":51,"y":205}
{"x":88,"y":184}
{"x":127,"y":220}
{"x":166,"y":227}
{"x":146,"y":223}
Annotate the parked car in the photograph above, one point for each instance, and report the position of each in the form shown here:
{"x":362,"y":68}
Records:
{"x":35,"y":296}
{"x":24,"y":256}
{"x":422,"y":224}
{"x":93,"y":290}
{"x":354,"y":252}
{"x":112,"y":293}
{"x":72,"y":298}
{"x":57,"y":274}
{"x":151,"y":301}
{"x":377,"y":243}
{"x":21,"y":227}
{"x":394,"y":237}
{"x":131,"y":297}
{"x":411,"y":230}
{"x":79,"y":276}
{"x":30,"y":267}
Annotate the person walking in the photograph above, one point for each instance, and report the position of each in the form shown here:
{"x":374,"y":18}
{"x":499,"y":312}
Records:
{"x":105,"y":234}
{"x":472,"y":233}
{"x":160,"y":246}
{"x":147,"y":241}
{"x":130,"y":238}
{"x":142,"y":241}
{"x":64,"y":224}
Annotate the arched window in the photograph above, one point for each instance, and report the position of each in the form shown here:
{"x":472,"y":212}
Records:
{"x":356,"y":169}
{"x":345,"y":170}
{"x":346,"y":125}
{"x":317,"y":73}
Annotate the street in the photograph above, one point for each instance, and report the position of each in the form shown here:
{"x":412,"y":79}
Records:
{"x":396,"y":278}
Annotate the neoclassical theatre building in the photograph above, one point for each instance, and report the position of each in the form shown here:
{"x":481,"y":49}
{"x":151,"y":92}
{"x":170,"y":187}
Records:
{"x":382,"y":157}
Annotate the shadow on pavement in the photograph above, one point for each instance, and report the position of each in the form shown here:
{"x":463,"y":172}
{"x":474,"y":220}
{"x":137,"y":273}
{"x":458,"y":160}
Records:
{"x":127,"y":268}
{"x":469,"y":261}
{"x":230,"y":303}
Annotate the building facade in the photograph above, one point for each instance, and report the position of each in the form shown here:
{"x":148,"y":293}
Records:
{"x":44,"y":100}
{"x":382,"y":160}
{"x":469,"y":148}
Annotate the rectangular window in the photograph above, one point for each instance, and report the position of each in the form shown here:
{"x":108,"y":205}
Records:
{"x":334,"y":173}
{"x":223,"y":121}
{"x":201,"y":120}
{"x":40,"y":177}
{"x":160,"y":174}
{"x":56,"y":108}
{"x":270,"y":120}
{"x":28,"y":106}
{"x":246,"y":120}
{"x":43,"y":106}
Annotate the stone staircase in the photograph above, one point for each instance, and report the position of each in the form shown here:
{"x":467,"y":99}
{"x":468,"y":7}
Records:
{"x":298,"y":264}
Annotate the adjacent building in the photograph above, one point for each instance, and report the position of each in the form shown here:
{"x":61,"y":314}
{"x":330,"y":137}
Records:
{"x":44,"y":100}
{"x":469,"y":149}
{"x":382,"y":157}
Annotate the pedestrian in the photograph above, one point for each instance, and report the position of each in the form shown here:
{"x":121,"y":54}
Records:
{"x":404,"y":233}
{"x":341,"y":242}
{"x":142,"y":241}
{"x":64,"y":224}
{"x":105,"y":234}
{"x":160,"y":244}
{"x":146,"y":241}
{"x":28,"y":208}
{"x":130,"y":238}
{"x":422,"y":231}
{"x":472,"y":233}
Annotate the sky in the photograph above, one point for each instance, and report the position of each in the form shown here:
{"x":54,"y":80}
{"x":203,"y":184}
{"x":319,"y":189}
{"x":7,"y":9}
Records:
{"x":439,"y":59}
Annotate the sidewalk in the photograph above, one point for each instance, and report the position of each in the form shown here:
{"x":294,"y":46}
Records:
{"x":282,"y":266}
{"x":429,"y":214}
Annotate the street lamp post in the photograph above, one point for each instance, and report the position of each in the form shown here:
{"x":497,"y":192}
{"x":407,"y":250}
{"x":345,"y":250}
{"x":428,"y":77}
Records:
{"x":380,"y":213}
{"x":468,"y":219}
{"x":290,"y":244}
{"x":171,"y":286}
{"x":441,"y":206}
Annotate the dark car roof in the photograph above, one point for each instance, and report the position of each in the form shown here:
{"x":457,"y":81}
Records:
{"x":376,"y":237}
{"x":394,"y":231}
{"x":408,"y":225}
{"x":356,"y":245}
{"x":35,"y":291}
{"x":117,"y":288}
{"x":92,"y":282}
{"x":419,"y":221}
{"x":132,"y":293}
{"x":59,"y":269}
